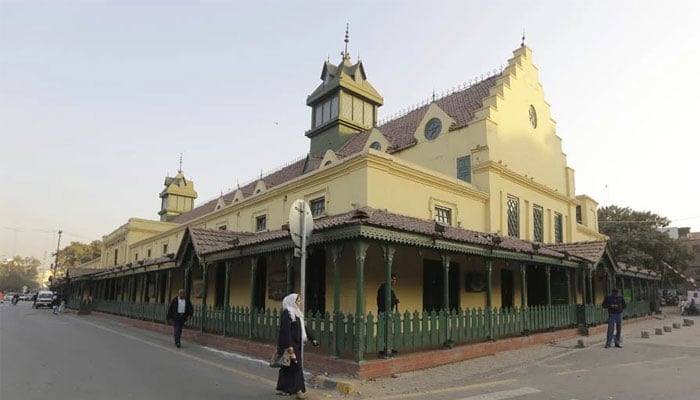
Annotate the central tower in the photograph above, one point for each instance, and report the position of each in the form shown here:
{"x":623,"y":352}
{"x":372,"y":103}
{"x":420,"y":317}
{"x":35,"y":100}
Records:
{"x":344,"y":104}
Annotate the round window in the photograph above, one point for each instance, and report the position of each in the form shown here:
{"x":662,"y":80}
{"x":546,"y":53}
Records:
{"x":533,"y":116}
{"x":376,"y":146}
{"x":433,"y":128}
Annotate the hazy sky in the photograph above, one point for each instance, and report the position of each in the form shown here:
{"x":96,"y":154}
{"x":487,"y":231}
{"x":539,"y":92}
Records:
{"x":99,"y":98}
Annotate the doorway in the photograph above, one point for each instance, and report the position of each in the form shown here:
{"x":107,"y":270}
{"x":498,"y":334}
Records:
{"x":260,"y":284}
{"x":433,"y":283}
{"x":506,"y":288}
{"x":315,"y":297}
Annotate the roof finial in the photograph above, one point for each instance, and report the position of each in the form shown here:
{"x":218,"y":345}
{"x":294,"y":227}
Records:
{"x":346,"y":55}
{"x":433,"y":94}
{"x":522,"y":44}
{"x":180,"y":169}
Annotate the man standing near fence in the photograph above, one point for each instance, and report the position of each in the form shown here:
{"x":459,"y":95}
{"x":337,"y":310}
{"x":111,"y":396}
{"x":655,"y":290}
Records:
{"x":615,"y":305}
{"x":180,"y":309}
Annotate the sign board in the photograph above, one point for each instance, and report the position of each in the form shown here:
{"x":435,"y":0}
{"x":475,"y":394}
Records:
{"x":298,"y":208}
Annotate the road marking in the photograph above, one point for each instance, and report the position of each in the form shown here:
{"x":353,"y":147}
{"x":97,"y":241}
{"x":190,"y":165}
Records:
{"x":506,"y":394}
{"x":575,"y":371}
{"x":630,"y":364}
{"x":181,"y":353}
{"x":448,"y":390}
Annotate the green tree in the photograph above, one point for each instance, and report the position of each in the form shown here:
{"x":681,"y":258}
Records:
{"x":636,"y":240}
{"x":18,"y":272}
{"x":77,"y":253}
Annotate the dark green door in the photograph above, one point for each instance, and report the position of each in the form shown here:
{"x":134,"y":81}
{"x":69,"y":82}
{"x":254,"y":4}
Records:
{"x":260,"y":284}
{"x":433,"y":284}
{"x":506,"y":288}
{"x":315,"y":300}
{"x":536,"y":286}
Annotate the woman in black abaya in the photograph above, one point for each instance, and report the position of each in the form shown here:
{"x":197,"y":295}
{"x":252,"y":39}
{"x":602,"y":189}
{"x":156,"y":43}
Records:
{"x":293,"y":334}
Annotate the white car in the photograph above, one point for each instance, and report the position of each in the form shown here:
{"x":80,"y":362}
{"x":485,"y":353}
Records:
{"x":44,"y":299}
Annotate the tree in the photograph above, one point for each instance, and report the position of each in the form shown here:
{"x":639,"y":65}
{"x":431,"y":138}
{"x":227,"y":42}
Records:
{"x":636,"y":240}
{"x":78,"y":253}
{"x":18,"y":272}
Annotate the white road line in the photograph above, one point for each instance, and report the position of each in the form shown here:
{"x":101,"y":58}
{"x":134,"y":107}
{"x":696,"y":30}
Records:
{"x":506,"y":394}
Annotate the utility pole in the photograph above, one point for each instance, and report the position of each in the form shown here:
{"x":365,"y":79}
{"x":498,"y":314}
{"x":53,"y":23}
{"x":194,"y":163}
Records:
{"x":55,"y":264}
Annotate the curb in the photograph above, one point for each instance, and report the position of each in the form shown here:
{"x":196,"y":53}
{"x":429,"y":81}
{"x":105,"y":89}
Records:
{"x":324,"y":382}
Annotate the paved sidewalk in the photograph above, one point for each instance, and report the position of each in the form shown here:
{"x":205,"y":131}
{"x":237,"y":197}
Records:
{"x":489,"y":368}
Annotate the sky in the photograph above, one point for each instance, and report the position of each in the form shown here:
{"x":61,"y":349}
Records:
{"x":98,"y":99}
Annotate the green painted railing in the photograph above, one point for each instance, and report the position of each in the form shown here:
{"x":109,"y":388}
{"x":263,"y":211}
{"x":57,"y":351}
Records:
{"x":409,"y":330}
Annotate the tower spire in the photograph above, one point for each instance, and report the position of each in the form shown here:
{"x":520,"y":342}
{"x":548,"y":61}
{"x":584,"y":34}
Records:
{"x":346,"y":55}
{"x":180,"y":168}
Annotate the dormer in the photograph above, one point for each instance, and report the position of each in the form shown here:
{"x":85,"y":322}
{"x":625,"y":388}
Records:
{"x":260,"y":187}
{"x":435,"y":123}
{"x":376,"y":141}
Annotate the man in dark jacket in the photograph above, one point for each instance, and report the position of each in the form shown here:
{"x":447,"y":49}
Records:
{"x":615,"y":305}
{"x":381,"y":296}
{"x":180,"y":309}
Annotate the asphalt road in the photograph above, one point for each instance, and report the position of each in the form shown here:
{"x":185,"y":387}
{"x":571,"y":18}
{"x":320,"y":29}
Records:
{"x":45,"y":356}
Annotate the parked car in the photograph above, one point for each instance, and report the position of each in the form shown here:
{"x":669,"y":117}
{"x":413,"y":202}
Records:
{"x":25,"y":296}
{"x":44,"y":299}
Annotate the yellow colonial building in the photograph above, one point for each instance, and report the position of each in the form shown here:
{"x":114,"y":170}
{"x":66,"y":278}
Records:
{"x":467,"y":198}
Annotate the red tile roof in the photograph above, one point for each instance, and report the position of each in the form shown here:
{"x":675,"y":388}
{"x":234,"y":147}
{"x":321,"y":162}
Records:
{"x":460,"y":105}
{"x":278,"y":177}
{"x":590,"y":251}
{"x":385,"y":219}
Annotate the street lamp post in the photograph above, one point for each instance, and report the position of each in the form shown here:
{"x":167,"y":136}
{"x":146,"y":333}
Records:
{"x":55,"y":264}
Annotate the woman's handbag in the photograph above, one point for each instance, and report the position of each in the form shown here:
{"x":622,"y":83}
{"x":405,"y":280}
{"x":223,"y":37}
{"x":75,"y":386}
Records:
{"x":280,"y":359}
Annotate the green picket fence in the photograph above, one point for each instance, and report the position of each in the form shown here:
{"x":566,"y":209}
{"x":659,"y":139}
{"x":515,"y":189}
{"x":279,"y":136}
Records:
{"x":344,"y":334}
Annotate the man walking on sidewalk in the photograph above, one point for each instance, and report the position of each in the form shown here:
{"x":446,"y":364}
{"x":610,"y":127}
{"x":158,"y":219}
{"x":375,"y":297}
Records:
{"x":180,"y":309}
{"x":615,"y":305}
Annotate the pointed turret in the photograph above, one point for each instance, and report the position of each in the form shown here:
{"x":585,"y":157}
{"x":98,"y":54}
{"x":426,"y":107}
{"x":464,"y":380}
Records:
{"x":344,"y":104}
{"x":177,"y":197}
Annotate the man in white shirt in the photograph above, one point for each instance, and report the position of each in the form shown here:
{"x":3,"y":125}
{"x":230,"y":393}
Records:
{"x":179,"y":311}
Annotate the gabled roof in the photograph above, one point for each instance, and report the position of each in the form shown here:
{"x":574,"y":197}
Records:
{"x":590,"y":251}
{"x":205,"y":240}
{"x":379,"y":218}
{"x":460,"y":106}
{"x":278,"y":177}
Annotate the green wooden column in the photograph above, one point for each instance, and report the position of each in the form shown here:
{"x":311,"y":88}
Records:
{"x":388,"y":251}
{"x":336,"y":252}
{"x":205,"y":283}
{"x":169,"y":287}
{"x":227,"y":296}
{"x":289,"y":272}
{"x":445,"y":283}
{"x":188,"y":279}
{"x":253,"y":282}
{"x":489,"y":296}
{"x":156,"y":294}
{"x":568,"y":286}
{"x":132,"y":288}
{"x":590,"y":285}
{"x":584,"y":291}
{"x":489,"y":283}
{"x":523,"y":286}
{"x":548,"y":273}
{"x":622,"y":285}
{"x":360,"y":255}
